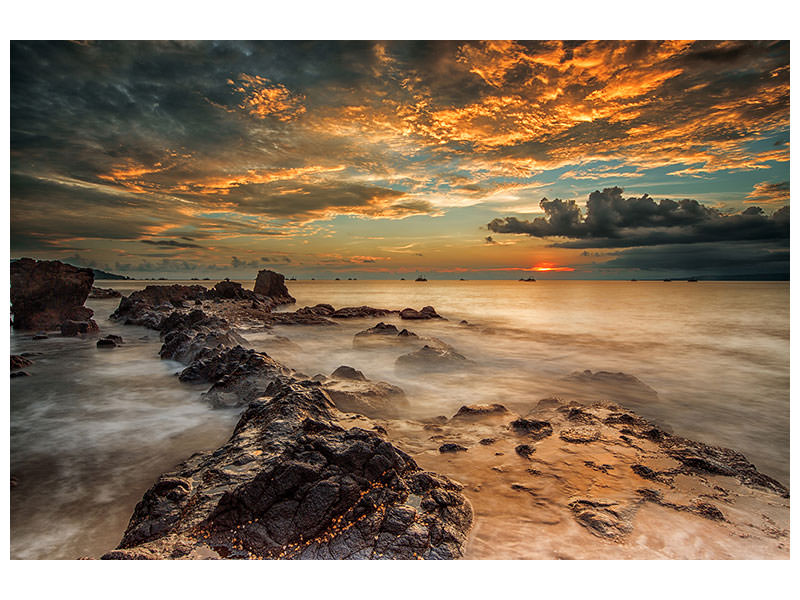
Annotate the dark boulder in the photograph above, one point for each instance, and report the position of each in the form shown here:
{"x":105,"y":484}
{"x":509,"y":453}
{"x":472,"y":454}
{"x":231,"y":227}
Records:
{"x":46,"y":293}
{"x":533,"y":427}
{"x":448,"y":448}
{"x":271,"y":284}
{"x":427,"y":312}
{"x":73,"y":328}
{"x":345,"y":372}
{"x":106,"y":343}
{"x":432,"y":359}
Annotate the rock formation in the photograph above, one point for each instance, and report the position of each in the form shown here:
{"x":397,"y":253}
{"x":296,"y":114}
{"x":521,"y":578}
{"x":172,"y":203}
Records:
{"x":103,"y":293}
{"x":45,"y":293}
{"x":352,"y":392}
{"x":271,"y":285}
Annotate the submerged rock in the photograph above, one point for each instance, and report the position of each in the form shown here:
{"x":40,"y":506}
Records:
{"x":19,"y":362}
{"x":427,"y":312}
{"x":46,"y":293}
{"x":612,"y":386}
{"x":433,"y":359}
{"x":103,"y":293}
{"x":293,"y":483}
{"x":73,"y":328}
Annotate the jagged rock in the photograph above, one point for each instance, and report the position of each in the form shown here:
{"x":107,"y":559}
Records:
{"x":46,"y":293}
{"x":271,"y":284}
{"x":232,"y":290}
{"x":427,"y":312}
{"x":186,"y":344}
{"x":292,"y":483}
{"x":359,"y":312}
{"x":149,"y":307}
{"x":604,"y":518}
{"x":432,"y":359}
{"x":481,"y":410}
{"x":73,"y":328}
{"x":524,"y":450}
{"x":536,"y":429}
{"x":352,"y":392}
{"x":239,"y":376}
{"x":383,"y":334}
{"x":445,"y":448}
{"x":103,"y":293}
{"x":19,"y":362}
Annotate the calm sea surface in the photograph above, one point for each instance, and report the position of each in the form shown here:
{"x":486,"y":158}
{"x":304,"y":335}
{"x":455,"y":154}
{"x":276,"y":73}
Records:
{"x":91,"y":429}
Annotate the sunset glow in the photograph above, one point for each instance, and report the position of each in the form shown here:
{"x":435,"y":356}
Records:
{"x":199,"y":158}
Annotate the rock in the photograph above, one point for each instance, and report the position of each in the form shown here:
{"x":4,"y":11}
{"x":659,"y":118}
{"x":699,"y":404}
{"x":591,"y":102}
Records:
{"x":106,"y":343}
{"x":40,"y":336}
{"x":45,"y":293}
{"x":20,"y":374}
{"x":445,"y":448}
{"x":432,"y":359}
{"x":481,"y":410}
{"x":370,"y":398}
{"x":231,"y":290}
{"x":73,"y":328}
{"x":117,"y":339}
{"x":271,"y":284}
{"x":525,"y":450}
{"x":487,"y":441}
{"x":359,"y":312}
{"x":579,"y":435}
{"x":536,"y":429}
{"x":19,"y":362}
{"x":345,"y":372}
{"x":292,"y":483}
{"x":383,"y":335}
{"x":604,"y":518}
{"x":609,"y":385}
{"x":427,"y":312}
{"x":319,"y":310}
{"x":103,"y":293}
{"x":150,"y":306}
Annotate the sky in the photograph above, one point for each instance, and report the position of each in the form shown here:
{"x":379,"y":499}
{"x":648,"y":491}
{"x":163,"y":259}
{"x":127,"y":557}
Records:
{"x":475,"y":160}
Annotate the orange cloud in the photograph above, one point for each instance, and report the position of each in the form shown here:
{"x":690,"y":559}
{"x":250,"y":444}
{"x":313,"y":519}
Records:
{"x":263,"y":98}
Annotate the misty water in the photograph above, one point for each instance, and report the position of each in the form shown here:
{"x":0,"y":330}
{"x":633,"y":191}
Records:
{"x":91,"y":430}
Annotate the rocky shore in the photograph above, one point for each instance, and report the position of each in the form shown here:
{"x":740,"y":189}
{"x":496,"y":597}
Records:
{"x":332,"y":467}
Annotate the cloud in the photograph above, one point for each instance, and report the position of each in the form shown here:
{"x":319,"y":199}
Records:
{"x":612,"y":221}
{"x":170,"y":243}
{"x":769,"y":193}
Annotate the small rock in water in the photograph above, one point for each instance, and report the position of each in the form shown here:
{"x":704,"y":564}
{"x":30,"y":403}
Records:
{"x":525,"y":450}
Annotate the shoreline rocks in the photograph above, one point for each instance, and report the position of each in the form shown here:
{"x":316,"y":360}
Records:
{"x":44,"y":293}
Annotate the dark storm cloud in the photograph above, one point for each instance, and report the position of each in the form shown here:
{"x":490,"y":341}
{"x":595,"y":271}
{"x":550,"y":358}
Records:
{"x":613,"y":221}
{"x":718,"y":258}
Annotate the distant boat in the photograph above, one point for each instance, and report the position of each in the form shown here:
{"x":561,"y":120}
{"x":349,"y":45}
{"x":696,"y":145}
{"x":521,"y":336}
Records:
{"x":420,"y":279}
{"x":634,"y":280}
{"x":528,"y":279}
{"x":402,"y":279}
{"x":462,"y":279}
{"x":337,"y":279}
{"x":692,"y":279}
{"x":668,"y":280}
{"x":292,"y":279}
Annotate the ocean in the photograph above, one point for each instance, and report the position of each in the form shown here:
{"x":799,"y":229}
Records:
{"x":91,"y":430}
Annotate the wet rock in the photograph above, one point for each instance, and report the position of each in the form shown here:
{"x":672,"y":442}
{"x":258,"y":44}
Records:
{"x":46,"y":293}
{"x":73,"y":328}
{"x":525,"y":450}
{"x":359,"y":312}
{"x":40,"y":336}
{"x":433,"y":359}
{"x":345,"y":372}
{"x":106,"y":343}
{"x":487,"y":441}
{"x":20,"y":374}
{"x":271,"y":285}
{"x":352,"y":392}
{"x":383,"y":334}
{"x":481,"y":410}
{"x":232,"y":290}
{"x":447,"y":448}
{"x":535,"y":428}
{"x":151,"y":306}
{"x":103,"y":293}
{"x":579,"y":435}
{"x":427,"y":312}
{"x":604,"y":518}
{"x":292,"y":483}
{"x":19,"y":362}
